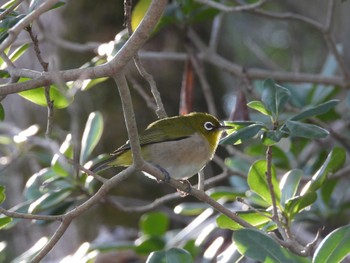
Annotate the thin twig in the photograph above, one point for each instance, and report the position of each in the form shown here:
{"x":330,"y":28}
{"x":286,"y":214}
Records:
{"x":30,"y":216}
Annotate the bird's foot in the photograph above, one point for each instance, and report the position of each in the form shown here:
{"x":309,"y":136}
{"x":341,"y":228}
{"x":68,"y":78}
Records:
{"x":187,"y":191}
{"x":165,"y":173}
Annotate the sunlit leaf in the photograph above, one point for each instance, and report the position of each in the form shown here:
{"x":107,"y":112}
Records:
{"x":258,"y":220}
{"x":259,"y":106}
{"x":91,"y":136}
{"x":172,"y":255}
{"x":37,"y":96}
{"x":18,"y":52}
{"x":257,"y":181}
{"x":296,"y":204}
{"x":4,"y":221}
{"x":139,"y":12}
{"x":2,"y":194}
{"x":335,"y":247}
{"x":289,"y":184}
{"x":190,"y":209}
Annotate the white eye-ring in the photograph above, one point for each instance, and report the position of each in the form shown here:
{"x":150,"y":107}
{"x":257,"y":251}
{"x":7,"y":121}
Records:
{"x":209,"y":126}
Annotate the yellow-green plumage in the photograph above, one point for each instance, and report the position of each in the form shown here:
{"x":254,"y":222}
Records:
{"x":181,"y":145}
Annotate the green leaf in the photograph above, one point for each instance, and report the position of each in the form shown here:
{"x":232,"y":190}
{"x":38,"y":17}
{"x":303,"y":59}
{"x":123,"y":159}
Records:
{"x":229,"y":193}
{"x":139,"y":12}
{"x":296,"y":204}
{"x":305,"y":130}
{"x":92,"y":135}
{"x":190,"y":208}
{"x":37,"y":96}
{"x":154,"y":223}
{"x":335,"y":160}
{"x":289,"y":184}
{"x":2,"y":113}
{"x":274,"y":97}
{"x":258,"y":183}
{"x":272,"y":137}
{"x":259,"y":106}
{"x":6,"y":24}
{"x":18,"y":52}
{"x":335,"y":247}
{"x":58,"y":164}
{"x":89,"y":83}
{"x":259,"y":246}
{"x":50,"y":200}
{"x":147,"y":244}
{"x":316,"y":110}
{"x":242,"y":134}
{"x":2,"y":194}
{"x":173,"y":255}
{"x":258,"y":220}
{"x":4,"y":221}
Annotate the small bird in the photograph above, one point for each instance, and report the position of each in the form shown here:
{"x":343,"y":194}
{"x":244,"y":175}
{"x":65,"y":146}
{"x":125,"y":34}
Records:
{"x":180,"y":146}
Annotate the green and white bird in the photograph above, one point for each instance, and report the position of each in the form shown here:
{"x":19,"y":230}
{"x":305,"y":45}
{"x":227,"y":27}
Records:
{"x":181,"y":145}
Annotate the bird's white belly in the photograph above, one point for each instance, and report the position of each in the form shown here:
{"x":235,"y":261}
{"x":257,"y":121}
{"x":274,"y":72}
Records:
{"x":181,"y":159}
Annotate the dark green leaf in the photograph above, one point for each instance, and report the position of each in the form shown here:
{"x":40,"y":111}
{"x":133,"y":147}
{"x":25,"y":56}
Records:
{"x":271,"y":137}
{"x":173,"y":255}
{"x":6,"y":24}
{"x":257,"y":181}
{"x":274,"y":97}
{"x":335,"y":247}
{"x":305,"y":130}
{"x":147,"y":244}
{"x":37,"y":96}
{"x":2,"y":113}
{"x":4,"y":221}
{"x":259,"y":106}
{"x":316,"y":110}
{"x":289,"y":184}
{"x":258,"y":220}
{"x":2,"y":194}
{"x":335,"y":160}
{"x":298,"y":203}
{"x":154,"y":223}
{"x":91,"y":136}
{"x":242,"y":134}
{"x":259,"y":246}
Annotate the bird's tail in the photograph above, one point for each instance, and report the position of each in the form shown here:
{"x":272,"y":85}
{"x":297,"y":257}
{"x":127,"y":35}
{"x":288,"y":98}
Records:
{"x":102,"y":165}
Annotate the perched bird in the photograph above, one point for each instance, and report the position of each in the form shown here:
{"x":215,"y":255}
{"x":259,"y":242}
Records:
{"x":180,"y":146}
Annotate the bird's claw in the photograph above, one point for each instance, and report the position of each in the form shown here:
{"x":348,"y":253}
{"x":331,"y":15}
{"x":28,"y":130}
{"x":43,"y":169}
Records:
{"x":187,"y":191}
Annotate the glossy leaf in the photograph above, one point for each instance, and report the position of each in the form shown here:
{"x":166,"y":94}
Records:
{"x":4,"y":221}
{"x":2,"y":194}
{"x":58,"y":164}
{"x":258,"y":183}
{"x":89,"y":83}
{"x":229,"y":193}
{"x":32,"y":189}
{"x":259,"y":106}
{"x":139,"y":12}
{"x":256,"y":219}
{"x":259,"y":246}
{"x":2,"y":113}
{"x":305,"y":130}
{"x":18,"y":52}
{"x":6,"y":24}
{"x":49,"y":200}
{"x":274,"y":97}
{"x":147,"y":244}
{"x":296,"y":204}
{"x":190,"y":209}
{"x":335,"y":247}
{"x":335,"y":160}
{"x":154,"y":223}
{"x":37,"y":96}
{"x":172,"y":255}
{"x":316,"y":110}
{"x":242,"y":134}
{"x":289,"y":184}
{"x":91,"y":136}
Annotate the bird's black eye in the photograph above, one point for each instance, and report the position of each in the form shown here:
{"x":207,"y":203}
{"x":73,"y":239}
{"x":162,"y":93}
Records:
{"x":209,"y":126}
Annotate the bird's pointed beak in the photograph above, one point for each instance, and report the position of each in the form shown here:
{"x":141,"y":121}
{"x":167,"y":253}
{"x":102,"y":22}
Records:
{"x":225,"y":127}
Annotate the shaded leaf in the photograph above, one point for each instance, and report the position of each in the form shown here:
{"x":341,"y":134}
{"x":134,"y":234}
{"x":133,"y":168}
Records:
{"x":147,"y":244}
{"x":91,"y":136}
{"x":316,"y":110}
{"x":296,"y":204}
{"x":305,"y":130}
{"x":172,"y":255}
{"x":154,"y":223}
{"x":259,"y":246}
{"x":2,"y":113}
{"x":335,"y":247}
{"x":257,"y":181}
{"x":6,"y":24}
{"x":274,"y":97}
{"x":2,"y":194}
{"x":242,"y":134}
{"x":335,"y":160}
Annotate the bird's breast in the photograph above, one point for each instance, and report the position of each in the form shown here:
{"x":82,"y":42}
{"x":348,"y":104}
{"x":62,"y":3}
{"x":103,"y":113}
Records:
{"x":182,"y":158}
